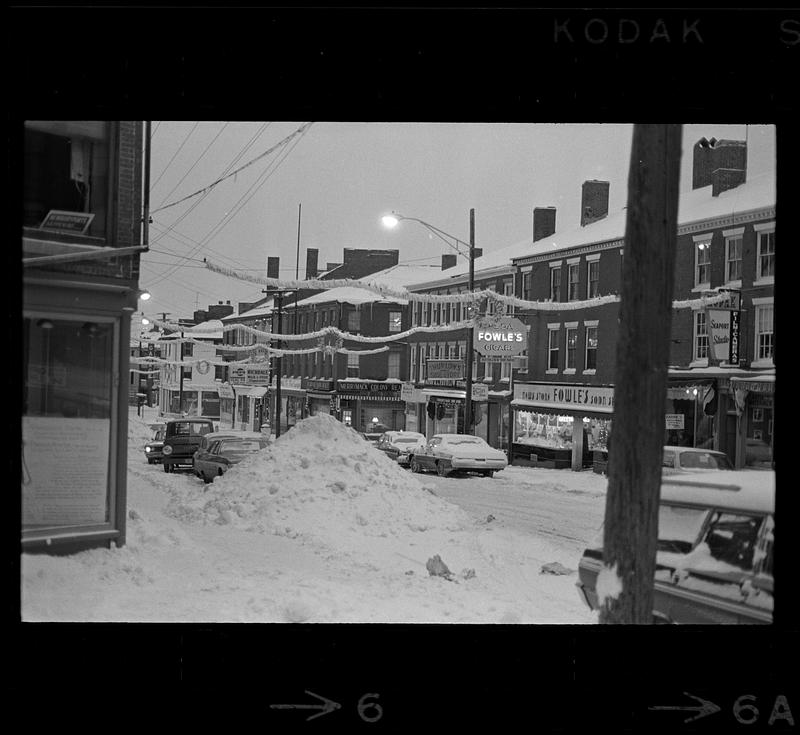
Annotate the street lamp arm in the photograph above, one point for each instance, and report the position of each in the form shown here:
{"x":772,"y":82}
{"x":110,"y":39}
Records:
{"x":438,"y":232}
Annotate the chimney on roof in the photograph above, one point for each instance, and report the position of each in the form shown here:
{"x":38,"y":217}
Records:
{"x":273,"y":267}
{"x":544,"y":222}
{"x":312,"y":268}
{"x":712,"y":155}
{"x":594,"y":201}
{"x":448,"y":260}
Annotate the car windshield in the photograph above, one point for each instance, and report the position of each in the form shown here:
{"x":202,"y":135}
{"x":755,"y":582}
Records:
{"x":406,"y":439}
{"x":679,"y":528}
{"x":704,"y":461}
{"x":190,"y":428}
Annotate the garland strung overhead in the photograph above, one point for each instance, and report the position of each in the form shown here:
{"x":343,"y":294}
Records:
{"x":404,"y":295}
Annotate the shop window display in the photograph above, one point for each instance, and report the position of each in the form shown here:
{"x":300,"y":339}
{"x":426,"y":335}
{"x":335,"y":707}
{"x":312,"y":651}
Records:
{"x":549,"y":430}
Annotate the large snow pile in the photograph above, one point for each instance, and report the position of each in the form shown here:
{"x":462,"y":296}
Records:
{"x":320,"y":481}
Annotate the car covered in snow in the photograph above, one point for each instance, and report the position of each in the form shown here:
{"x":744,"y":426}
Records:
{"x":693,"y":459}
{"x":458,"y":453}
{"x":181,"y":440}
{"x":153,"y":448}
{"x":401,"y":445}
{"x":223,"y":450}
{"x":714,"y":556}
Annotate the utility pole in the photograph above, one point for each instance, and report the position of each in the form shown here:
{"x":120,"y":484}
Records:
{"x":180,"y":369}
{"x":278,"y":363}
{"x":470,"y":336}
{"x":634,"y":476}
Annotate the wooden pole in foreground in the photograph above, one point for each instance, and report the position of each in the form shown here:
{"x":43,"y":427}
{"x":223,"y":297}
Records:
{"x":640,"y":381}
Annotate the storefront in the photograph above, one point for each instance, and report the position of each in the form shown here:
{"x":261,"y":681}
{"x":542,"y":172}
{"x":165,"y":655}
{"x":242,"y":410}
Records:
{"x":690,"y":413}
{"x":370,"y":405}
{"x":227,"y":406}
{"x":293,"y":402}
{"x":751,"y":409}
{"x":561,"y":425}
{"x":320,"y":396}
{"x":250,"y":407}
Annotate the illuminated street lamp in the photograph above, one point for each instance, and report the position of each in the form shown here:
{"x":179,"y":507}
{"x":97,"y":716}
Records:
{"x":390,"y":221}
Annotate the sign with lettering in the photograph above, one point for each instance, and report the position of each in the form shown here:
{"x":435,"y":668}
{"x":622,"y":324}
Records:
{"x":719,"y":333}
{"x":365,"y":388}
{"x":249,"y":374}
{"x":598,"y":399}
{"x":733,"y":357}
{"x":673,"y":420}
{"x":75,"y":222}
{"x":318,"y":385}
{"x":500,"y":336}
{"x":480,"y":392}
{"x":445,"y":369}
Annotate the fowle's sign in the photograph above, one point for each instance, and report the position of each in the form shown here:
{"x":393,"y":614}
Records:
{"x":502,"y":336}
{"x":567,"y":397}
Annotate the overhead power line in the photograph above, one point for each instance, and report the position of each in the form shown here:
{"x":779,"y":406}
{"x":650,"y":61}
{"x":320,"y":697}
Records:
{"x":301,"y":129}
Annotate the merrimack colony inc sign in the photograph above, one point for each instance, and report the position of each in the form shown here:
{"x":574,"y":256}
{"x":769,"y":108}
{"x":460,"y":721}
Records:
{"x":500,"y":337}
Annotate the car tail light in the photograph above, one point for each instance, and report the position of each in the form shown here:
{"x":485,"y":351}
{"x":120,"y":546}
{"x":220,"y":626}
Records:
{"x":167,"y":449}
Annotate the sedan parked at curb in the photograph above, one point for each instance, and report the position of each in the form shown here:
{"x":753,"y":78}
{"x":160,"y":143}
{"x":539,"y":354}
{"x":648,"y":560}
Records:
{"x":225,"y":450}
{"x":458,"y":453}
{"x":401,"y":445}
{"x":693,"y":459}
{"x":714,"y":558}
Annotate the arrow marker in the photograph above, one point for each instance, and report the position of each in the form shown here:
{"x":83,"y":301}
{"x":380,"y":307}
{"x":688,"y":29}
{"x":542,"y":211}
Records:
{"x":705,"y":708}
{"x":326,"y":706}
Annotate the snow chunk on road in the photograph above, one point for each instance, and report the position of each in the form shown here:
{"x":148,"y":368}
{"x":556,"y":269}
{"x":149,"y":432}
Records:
{"x":321,"y":481}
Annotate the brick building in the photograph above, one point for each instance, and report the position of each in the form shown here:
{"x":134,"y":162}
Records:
{"x":81,"y":237}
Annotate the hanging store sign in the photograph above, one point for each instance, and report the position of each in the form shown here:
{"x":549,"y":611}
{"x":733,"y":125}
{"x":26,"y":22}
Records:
{"x":565,"y":397}
{"x":500,"y":336}
{"x":445,"y":369}
{"x":733,"y":358}
{"x":74,"y":222}
{"x":225,"y":390}
{"x":723,"y":333}
{"x":249,"y":374}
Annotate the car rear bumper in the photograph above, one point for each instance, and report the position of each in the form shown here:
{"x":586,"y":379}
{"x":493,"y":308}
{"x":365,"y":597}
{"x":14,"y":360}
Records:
{"x":471,"y":464}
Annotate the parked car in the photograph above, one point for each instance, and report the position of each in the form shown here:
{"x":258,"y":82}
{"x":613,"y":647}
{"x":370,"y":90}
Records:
{"x":225,"y":450}
{"x":374,"y":432}
{"x":692,"y":459}
{"x":181,"y":440}
{"x":400,"y":445}
{"x":714,"y":555}
{"x":449,"y":453}
{"x":153,"y":448}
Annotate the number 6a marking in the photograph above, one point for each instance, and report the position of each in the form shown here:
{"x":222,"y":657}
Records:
{"x":364,"y":706}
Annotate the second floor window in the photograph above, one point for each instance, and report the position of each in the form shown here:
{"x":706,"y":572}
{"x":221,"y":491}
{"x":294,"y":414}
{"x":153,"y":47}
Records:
{"x":393,"y":365}
{"x":395,"y":321}
{"x":573,"y":282}
{"x":765,"y":268}
{"x":508,"y":290}
{"x":572,"y":347}
{"x":591,"y":348}
{"x":702,"y":268}
{"x":733,"y":258}
{"x":354,"y":321}
{"x":555,"y":284}
{"x":552,"y":348}
{"x":527,"y":279}
{"x":700,"y":336}
{"x":765,"y":336}
{"x":593,"y":279}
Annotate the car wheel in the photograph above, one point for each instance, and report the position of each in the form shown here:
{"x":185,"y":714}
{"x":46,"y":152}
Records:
{"x":205,"y":478}
{"x":489,"y":473}
{"x":150,"y":461}
{"x":413,"y":465}
{"x":442,"y":469}
{"x":167,"y":467}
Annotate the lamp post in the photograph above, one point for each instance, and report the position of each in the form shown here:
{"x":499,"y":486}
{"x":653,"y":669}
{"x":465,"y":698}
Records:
{"x":392,"y":220}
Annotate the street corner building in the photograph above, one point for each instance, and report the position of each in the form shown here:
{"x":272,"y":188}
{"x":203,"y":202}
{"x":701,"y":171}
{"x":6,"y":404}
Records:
{"x":84,"y":225}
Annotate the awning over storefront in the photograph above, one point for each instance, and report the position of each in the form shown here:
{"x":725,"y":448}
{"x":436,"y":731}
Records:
{"x":256,"y":391}
{"x":444,"y":393}
{"x":756,"y":384}
{"x":370,"y":397}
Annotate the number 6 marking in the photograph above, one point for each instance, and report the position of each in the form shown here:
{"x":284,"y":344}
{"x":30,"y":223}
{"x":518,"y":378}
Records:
{"x":363,"y":706}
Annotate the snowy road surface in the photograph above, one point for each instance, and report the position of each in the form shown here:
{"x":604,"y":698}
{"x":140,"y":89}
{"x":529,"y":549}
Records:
{"x":322,"y":527}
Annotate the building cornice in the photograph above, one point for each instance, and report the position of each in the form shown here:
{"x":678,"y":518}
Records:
{"x":577,"y":250}
{"x":455,"y":281}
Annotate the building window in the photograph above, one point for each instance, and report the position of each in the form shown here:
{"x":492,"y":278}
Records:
{"x":552,"y":346}
{"x":555,"y":283}
{"x":573,"y":281}
{"x":765,"y":266}
{"x":527,"y":280}
{"x":572,"y":347}
{"x":591,"y":348}
{"x":765,"y":336}
{"x":505,"y":370}
{"x":437,"y":313}
{"x":354,"y":321}
{"x":412,"y":364}
{"x":702,"y":263}
{"x":700,"y":336}
{"x":353,"y":365}
{"x":733,"y":255}
{"x":428,"y":313}
{"x":487,"y":368}
{"x":447,"y":312}
{"x":393,"y":365}
{"x":593,"y":278}
{"x":423,"y":368}
{"x":66,"y":168}
{"x":395,"y":321}
{"x":508,"y":290}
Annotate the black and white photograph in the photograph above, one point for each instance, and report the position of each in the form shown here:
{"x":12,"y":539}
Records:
{"x":338,"y":324}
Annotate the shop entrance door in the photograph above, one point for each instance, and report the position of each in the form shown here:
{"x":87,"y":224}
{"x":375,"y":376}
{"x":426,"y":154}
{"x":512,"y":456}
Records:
{"x":494,"y":436}
{"x":730,"y":437}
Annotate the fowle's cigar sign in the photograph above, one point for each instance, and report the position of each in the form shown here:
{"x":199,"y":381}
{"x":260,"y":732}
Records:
{"x":501,"y":336}
{"x":723,"y":335}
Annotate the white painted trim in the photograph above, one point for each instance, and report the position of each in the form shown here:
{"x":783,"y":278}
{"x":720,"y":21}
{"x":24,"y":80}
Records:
{"x":590,"y":371}
{"x":763,"y":300}
{"x":551,"y":371}
{"x":592,"y":257}
{"x":591,"y":322}
{"x":571,"y":325}
{"x":573,"y":261}
{"x":732,"y":284}
{"x":569,"y":371}
{"x":735,"y":232}
{"x":554,"y":325}
{"x":764,"y":226}
{"x":555,"y":263}
{"x":766,"y":281}
{"x":704,"y":237}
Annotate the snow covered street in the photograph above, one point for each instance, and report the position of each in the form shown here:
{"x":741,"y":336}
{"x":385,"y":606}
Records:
{"x":322,"y":527}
